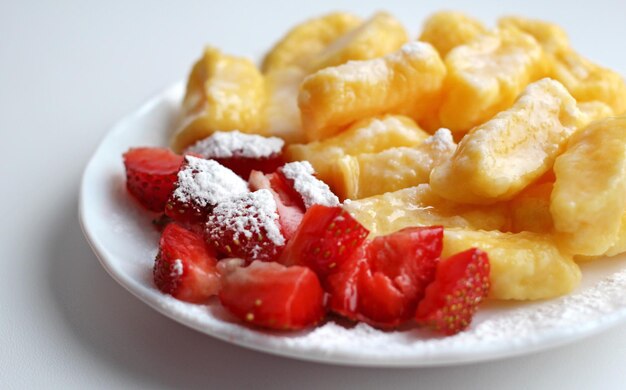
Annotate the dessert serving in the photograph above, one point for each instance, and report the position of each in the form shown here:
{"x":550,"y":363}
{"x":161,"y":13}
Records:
{"x":364,"y":175}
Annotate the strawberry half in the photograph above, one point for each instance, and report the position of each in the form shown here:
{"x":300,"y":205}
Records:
{"x":461,"y":283}
{"x":185,"y":266}
{"x":383,"y":283}
{"x":150,"y":175}
{"x":288,"y":202}
{"x":274,"y":296}
{"x":246,"y":227}
{"x":325,"y":239}
{"x":241,"y":152}
{"x":200,"y":185}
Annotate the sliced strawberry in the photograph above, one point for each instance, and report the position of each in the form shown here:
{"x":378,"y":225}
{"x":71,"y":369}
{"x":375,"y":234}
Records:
{"x":343,"y":284}
{"x":247,"y":227}
{"x":384,"y":282}
{"x":288,"y":202}
{"x":185,"y":266}
{"x":461,"y":283}
{"x":325,"y":239}
{"x":150,"y":175}
{"x":401,"y":266}
{"x":274,"y":296}
{"x":300,"y":177}
{"x":200,"y":185}
{"x":242,"y":152}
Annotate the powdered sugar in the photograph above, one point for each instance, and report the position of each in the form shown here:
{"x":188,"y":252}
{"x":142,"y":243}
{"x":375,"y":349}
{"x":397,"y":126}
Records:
{"x":249,"y":215}
{"x":442,"y":140}
{"x":312,"y":190}
{"x":176,"y":269}
{"x":206,"y":182}
{"x":226,"y":144}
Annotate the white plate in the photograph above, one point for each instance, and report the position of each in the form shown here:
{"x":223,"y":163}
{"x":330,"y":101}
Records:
{"x":122,"y":237}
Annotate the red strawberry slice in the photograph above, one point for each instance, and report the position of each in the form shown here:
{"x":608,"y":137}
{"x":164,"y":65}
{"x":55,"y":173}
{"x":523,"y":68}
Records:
{"x":461,"y":283}
{"x":200,"y":185}
{"x":384,"y":283}
{"x":150,"y":175}
{"x":343,"y":284}
{"x":241,"y":152}
{"x":185,"y":266}
{"x":242,"y":166}
{"x":246,"y":227}
{"x":400,"y":267}
{"x":273,"y":296}
{"x":325,"y":239}
{"x":288,"y":203}
{"x":299,"y":177}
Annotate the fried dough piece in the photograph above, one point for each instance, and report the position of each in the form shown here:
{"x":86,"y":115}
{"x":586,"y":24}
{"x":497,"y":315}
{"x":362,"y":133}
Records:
{"x":303,"y":43}
{"x":585,"y":80}
{"x":498,"y":159}
{"x":407,"y":81}
{"x":420,"y":206}
{"x":589,"y":196}
{"x":446,"y":30}
{"x":486,"y":75}
{"x":369,"y":135}
{"x":282,"y":112}
{"x":224,"y":93}
{"x":378,"y":36}
{"x":530,"y":209}
{"x":393,"y":169}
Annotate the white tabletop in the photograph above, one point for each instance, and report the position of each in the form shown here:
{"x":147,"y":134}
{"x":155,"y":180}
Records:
{"x":68,"y":71}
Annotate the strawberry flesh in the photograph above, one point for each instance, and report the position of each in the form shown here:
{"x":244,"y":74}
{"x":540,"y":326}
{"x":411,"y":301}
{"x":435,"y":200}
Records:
{"x":288,"y":203}
{"x":151,"y":174}
{"x":185,"y":267}
{"x":271,"y":295}
{"x":383,"y":284}
{"x":325,"y":239}
{"x":461,"y":283}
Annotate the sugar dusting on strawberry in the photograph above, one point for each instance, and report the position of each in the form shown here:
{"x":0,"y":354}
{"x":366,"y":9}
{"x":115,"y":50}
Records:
{"x":206,"y":182}
{"x":241,"y":152}
{"x":201,"y":184}
{"x":226,"y":144}
{"x":312,"y":190}
{"x":246,"y":226}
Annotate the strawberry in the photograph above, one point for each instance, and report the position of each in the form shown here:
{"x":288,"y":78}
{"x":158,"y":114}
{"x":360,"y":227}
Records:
{"x":150,"y":175}
{"x":461,"y":283}
{"x":325,"y":239}
{"x":273,"y":296}
{"x":247,"y":227}
{"x":241,"y":152}
{"x":384,"y":282}
{"x":400,"y":267}
{"x":185,"y":266}
{"x":242,"y":166}
{"x":300,"y":177}
{"x":288,"y":203}
{"x":200,"y":185}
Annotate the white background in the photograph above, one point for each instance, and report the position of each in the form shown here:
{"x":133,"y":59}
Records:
{"x":68,"y":71}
